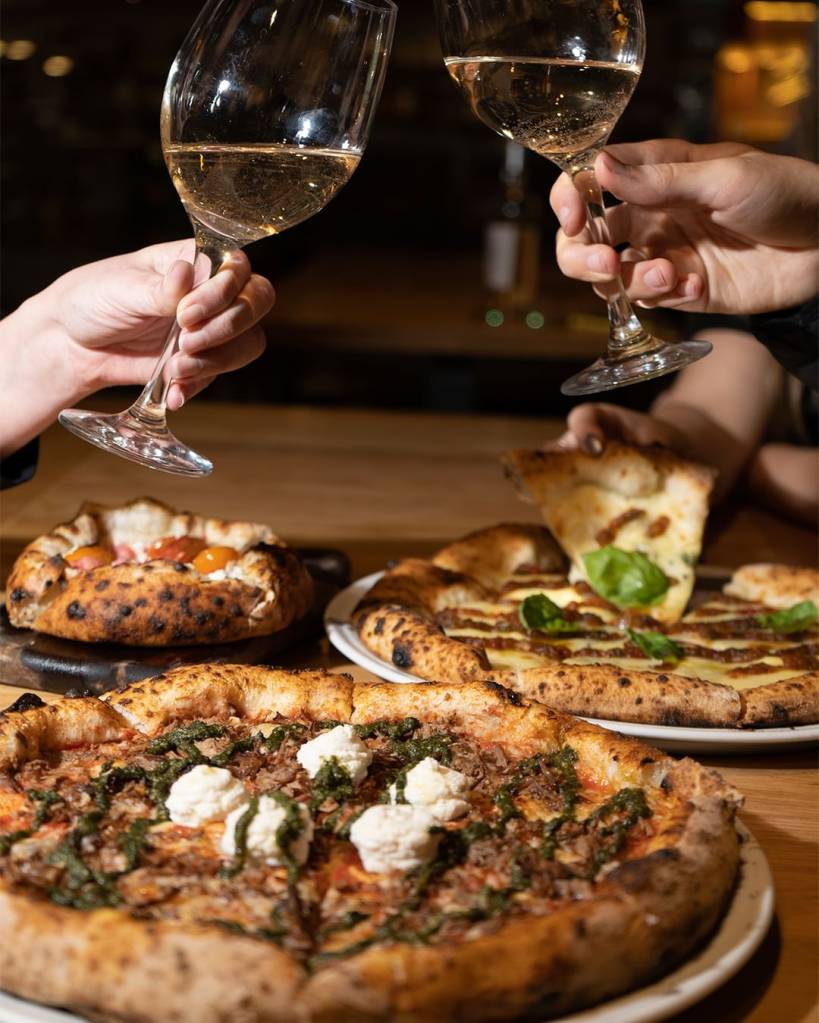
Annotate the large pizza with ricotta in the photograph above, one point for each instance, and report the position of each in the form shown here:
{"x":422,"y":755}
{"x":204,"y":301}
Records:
{"x":236,"y":843}
{"x":593,"y":615}
{"x":145,"y":574}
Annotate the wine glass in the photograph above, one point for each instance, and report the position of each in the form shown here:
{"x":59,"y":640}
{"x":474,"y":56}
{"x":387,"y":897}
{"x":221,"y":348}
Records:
{"x":265,"y":116}
{"x":555,"y":76}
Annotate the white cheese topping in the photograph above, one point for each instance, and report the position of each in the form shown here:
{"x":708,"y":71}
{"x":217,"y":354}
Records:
{"x":441,"y":790}
{"x":342,"y":743}
{"x":390,"y":838}
{"x":204,"y":794}
{"x":262,"y":841}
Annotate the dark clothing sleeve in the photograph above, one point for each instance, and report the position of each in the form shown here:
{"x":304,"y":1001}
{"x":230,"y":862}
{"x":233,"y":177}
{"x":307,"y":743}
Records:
{"x":21,"y":466}
{"x":792,"y":337}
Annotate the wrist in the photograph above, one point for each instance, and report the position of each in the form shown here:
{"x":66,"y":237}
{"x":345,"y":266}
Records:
{"x":36,"y":375}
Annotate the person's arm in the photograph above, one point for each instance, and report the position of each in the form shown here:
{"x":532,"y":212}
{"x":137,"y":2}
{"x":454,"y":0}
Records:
{"x":720,"y":406}
{"x":786,"y":478}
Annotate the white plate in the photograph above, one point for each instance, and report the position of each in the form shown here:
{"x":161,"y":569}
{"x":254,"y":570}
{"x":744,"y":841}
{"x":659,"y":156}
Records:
{"x":675,"y":739}
{"x":740,"y":934}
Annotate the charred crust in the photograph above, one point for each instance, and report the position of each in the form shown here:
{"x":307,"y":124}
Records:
{"x":217,"y":601}
{"x":156,"y":624}
{"x":509,"y":695}
{"x":166,"y":595}
{"x":125,"y":610}
{"x":379,"y":626}
{"x":18,"y":594}
{"x":140,"y":602}
{"x":28,"y":701}
{"x":401,"y":654}
{"x":662,"y":678}
{"x":179,"y":567}
{"x":623,"y":682}
{"x":75,"y":610}
{"x":103,"y":584}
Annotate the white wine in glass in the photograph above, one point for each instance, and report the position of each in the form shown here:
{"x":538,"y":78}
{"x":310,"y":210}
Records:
{"x":265,"y":115}
{"x":555,"y":77}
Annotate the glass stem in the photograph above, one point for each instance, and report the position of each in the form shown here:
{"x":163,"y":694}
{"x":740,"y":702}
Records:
{"x":151,"y":406}
{"x":627,"y":336}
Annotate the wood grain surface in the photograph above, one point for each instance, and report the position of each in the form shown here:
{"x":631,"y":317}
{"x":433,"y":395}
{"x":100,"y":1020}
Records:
{"x":383,"y":485}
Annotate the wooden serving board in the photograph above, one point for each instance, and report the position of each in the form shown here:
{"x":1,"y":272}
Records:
{"x":36,"y":661}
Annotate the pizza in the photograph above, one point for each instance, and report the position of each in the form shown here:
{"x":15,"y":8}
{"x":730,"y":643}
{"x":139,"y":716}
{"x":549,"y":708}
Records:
{"x":145,"y":574}
{"x":237,"y":843}
{"x":647,"y":502}
{"x":502,"y":605}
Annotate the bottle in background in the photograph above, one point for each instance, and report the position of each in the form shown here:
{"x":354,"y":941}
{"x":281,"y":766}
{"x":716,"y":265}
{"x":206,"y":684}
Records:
{"x":511,"y":245}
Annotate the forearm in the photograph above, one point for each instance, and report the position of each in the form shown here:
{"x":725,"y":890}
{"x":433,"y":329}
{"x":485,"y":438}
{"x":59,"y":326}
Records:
{"x":721,"y":405}
{"x":35,"y":381}
{"x":787,"y":478}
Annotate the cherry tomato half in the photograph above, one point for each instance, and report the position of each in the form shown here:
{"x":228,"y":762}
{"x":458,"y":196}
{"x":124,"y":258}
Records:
{"x":176,"y":548}
{"x":211,"y":559}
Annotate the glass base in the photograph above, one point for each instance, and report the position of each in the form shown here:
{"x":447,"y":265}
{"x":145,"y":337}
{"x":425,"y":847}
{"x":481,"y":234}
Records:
{"x":152,"y":445}
{"x":659,"y":358}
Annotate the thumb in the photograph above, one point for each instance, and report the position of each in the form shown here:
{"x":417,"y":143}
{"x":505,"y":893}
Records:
{"x":663,"y":184}
{"x":172,"y":287}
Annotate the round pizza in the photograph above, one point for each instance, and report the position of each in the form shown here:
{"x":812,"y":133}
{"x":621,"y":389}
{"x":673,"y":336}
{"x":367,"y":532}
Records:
{"x":236,"y":843}
{"x":505,"y":605}
{"x":144,"y":574}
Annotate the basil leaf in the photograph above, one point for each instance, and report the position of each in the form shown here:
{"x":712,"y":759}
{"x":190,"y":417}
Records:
{"x":655,"y":645}
{"x":538,"y":611}
{"x":790,"y":619}
{"x":625,"y":578}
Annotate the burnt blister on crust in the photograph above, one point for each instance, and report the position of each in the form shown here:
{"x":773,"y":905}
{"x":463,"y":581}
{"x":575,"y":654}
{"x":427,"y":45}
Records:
{"x":75,"y":610}
{"x":28,"y":701}
{"x":509,"y":695}
{"x":401,"y":654}
{"x":18,"y":594}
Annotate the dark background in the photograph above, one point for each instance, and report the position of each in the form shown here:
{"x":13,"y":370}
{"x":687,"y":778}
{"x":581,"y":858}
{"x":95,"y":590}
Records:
{"x":381,"y":301}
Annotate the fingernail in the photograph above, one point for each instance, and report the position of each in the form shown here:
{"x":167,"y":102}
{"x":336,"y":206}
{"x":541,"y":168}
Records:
{"x":597,"y":263}
{"x":190,"y":314}
{"x":612,"y":164}
{"x":691,"y":287}
{"x":563,"y":215}
{"x":655,"y":279}
{"x":592,"y":444}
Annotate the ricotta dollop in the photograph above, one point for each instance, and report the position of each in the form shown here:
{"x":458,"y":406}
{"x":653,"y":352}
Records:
{"x":204,"y":794}
{"x":439,"y":789}
{"x":262,"y":834}
{"x":394,"y":837}
{"x":342,"y":743}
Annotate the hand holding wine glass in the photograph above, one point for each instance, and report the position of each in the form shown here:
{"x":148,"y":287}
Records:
{"x":719,"y":228}
{"x":265,"y":116}
{"x":555,"y":77}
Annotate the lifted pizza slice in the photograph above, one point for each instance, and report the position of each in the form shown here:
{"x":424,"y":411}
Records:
{"x":631,"y":520}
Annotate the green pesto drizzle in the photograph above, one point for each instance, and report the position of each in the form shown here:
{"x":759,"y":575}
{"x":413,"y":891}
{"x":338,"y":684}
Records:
{"x":332,"y":781}
{"x":181,"y":740}
{"x":393,"y":730}
{"x":240,"y":840}
{"x":44,"y":799}
{"x":273,"y":741}
{"x":631,"y":802}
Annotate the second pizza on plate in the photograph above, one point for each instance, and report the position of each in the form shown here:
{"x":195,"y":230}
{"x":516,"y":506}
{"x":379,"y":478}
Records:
{"x":593,"y":615}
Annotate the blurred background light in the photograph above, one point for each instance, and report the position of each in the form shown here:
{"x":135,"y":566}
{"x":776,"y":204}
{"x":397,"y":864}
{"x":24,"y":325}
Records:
{"x":21,"y":49}
{"x":57,"y":66}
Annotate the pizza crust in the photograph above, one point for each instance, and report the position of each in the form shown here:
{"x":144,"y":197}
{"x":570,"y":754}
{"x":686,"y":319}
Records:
{"x":648,"y":914}
{"x":779,"y":586}
{"x":157,"y":603}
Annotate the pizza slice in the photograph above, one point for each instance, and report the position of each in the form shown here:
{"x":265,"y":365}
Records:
{"x":631,"y":520}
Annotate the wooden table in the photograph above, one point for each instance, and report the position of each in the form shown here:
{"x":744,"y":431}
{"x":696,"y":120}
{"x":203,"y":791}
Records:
{"x":383,"y":485}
